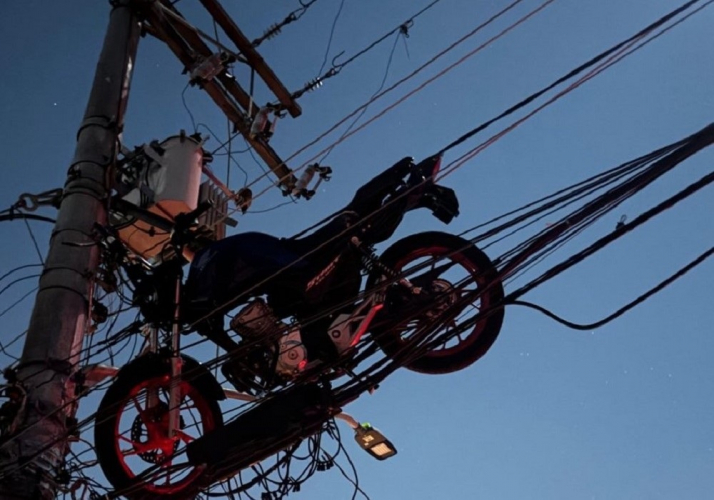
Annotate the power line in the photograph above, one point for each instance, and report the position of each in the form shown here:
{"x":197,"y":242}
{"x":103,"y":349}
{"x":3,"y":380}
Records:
{"x":18,"y":268}
{"x":337,"y":68}
{"x":630,"y":305}
{"x":622,"y":50}
{"x":34,"y":242}
{"x":381,"y":86}
{"x":453,"y":167}
{"x":332,"y":34}
{"x":183,"y":99}
{"x":661,"y":21}
{"x":415,"y":90}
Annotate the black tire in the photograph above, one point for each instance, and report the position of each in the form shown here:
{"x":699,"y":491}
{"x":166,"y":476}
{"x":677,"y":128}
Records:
{"x":106,"y":430}
{"x":485,"y":275}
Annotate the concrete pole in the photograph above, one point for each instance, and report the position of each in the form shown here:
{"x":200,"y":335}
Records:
{"x":59,"y":317}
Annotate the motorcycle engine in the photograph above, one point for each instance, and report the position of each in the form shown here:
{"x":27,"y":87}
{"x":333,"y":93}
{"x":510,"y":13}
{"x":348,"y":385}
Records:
{"x":293,"y":355}
{"x":256,"y":321}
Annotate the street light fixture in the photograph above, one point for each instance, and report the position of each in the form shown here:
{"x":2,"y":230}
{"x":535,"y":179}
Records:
{"x":374,"y":442}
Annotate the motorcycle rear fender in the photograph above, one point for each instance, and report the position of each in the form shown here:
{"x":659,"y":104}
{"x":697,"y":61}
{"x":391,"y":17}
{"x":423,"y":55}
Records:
{"x":194,"y":371}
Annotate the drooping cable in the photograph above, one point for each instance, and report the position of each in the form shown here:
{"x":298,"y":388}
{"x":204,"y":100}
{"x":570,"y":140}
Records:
{"x":332,"y":34}
{"x":630,"y":305}
{"x":381,"y":86}
{"x":337,"y":68}
{"x":414,"y":91}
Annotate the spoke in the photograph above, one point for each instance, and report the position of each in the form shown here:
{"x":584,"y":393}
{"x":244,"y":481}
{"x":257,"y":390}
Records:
{"x":426,"y":278}
{"x":128,"y":453}
{"x":139,"y":409}
{"x":138,"y":447}
{"x":186,"y":438}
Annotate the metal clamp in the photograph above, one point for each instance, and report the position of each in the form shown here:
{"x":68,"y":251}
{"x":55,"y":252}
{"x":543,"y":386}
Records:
{"x":31,"y":202}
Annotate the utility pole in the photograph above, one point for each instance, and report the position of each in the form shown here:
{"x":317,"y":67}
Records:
{"x":32,"y":455}
{"x":59,"y":318}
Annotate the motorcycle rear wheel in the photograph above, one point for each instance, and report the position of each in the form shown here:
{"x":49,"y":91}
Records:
{"x":431,"y":250}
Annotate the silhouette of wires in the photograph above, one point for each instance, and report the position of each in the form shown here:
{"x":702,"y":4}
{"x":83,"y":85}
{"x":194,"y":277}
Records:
{"x":185,"y":105}
{"x":395,"y":85}
{"x":332,"y":34}
{"x":379,"y":89}
{"x":230,"y":154}
{"x":317,"y":82}
{"x":34,"y":242}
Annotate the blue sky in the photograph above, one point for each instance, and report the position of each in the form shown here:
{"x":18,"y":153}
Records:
{"x":624,"y":412}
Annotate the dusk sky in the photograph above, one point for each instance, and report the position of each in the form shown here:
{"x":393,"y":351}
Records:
{"x":621,"y":412}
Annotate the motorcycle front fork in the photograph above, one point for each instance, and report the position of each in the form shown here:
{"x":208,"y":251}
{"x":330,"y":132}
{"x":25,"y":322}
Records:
{"x":175,"y":385}
{"x":152,"y":334}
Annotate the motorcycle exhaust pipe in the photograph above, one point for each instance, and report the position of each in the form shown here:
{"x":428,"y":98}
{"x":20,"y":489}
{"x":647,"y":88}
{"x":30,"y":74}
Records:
{"x":263,"y":431}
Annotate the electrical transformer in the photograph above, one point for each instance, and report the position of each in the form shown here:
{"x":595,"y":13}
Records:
{"x":166,"y":178}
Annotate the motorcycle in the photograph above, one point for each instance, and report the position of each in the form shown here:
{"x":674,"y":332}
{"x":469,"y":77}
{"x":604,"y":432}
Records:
{"x":308,"y":307}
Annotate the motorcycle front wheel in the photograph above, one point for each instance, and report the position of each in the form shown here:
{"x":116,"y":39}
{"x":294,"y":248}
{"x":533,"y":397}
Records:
{"x":134,"y":449}
{"x":467,"y":299}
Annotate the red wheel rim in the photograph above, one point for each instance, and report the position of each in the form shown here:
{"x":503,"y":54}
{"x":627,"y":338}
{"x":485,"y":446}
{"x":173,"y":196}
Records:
{"x":196,"y":418}
{"x":467,"y":339}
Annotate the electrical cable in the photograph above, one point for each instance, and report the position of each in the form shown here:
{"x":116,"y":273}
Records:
{"x":19,"y":268}
{"x":630,"y":305}
{"x":279,"y":205}
{"x":337,"y":68}
{"x":230,"y":156}
{"x":412,"y":92}
{"x":397,"y":84}
{"x":623,"y":51}
{"x":332,"y":34}
{"x":661,"y":21}
{"x":18,"y":301}
{"x":622,"y":46}
{"x":9,"y":344}
{"x":18,"y":280}
{"x":605,"y":240}
{"x":355,"y":481}
{"x":183,"y":100}
{"x":381,"y":86}
{"x":9,"y":215}
{"x":34,"y":241}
